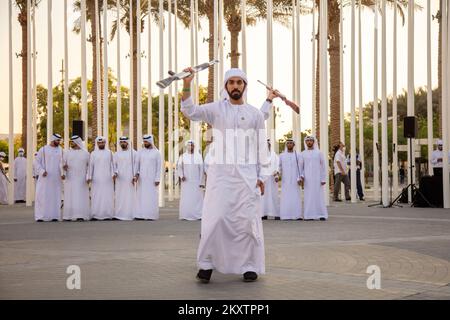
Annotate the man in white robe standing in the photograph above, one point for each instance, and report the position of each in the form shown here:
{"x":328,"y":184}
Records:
{"x":232,"y":239}
{"x":3,"y":181}
{"x":147,"y":177}
{"x":313,"y":180}
{"x":124,"y":179}
{"x":291,"y":171}
{"x":271,"y":202}
{"x":100,"y":175}
{"x":20,"y":177}
{"x":191,"y":177}
{"x":76,"y":188}
{"x":47,"y":205}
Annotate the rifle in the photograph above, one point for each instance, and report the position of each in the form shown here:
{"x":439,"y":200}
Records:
{"x":288,"y":102}
{"x":164,"y":83}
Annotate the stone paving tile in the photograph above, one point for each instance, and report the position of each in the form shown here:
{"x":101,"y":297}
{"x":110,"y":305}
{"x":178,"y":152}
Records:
{"x":156,"y":260}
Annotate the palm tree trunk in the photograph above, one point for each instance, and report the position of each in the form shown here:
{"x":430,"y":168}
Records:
{"x":22,"y":17}
{"x":93,"y":125}
{"x":234,"y":25}
{"x":335,"y":89}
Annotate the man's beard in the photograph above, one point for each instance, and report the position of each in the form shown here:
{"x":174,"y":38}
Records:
{"x":124,"y":147}
{"x":101,"y":147}
{"x":147,"y":146}
{"x":235,"y":94}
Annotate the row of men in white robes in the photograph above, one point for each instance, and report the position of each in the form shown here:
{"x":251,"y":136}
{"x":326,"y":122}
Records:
{"x":297,"y":170}
{"x":124,"y":185}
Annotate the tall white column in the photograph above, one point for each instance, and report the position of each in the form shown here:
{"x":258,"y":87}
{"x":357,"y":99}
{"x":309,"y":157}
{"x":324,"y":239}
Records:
{"x":243,"y":35}
{"x":220,"y":50}
{"x":313,"y":71}
{"x":341,"y":76}
{"x":197,"y":136}
{"x":270,"y":122}
{"x":324,"y":87}
{"x":216,"y":48}
{"x":384,"y":121}
{"x":294,"y":71}
{"x":149,"y":70}
{"x":119,"y":93}
{"x":297,"y":117}
{"x":170,"y":104}
{"x":161,"y":145}
{"x":98,"y":70}
{"x":29,"y":185}
{"x":176,"y":125}
{"x":445,"y":108}
{"x":33,"y":85}
{"x":105,"y":74}
{"x":66,"y":81}
{"x":11,"y":109}
{"x":138,"y":76}
{"x":352,"y":104}
{"x":84,"y":109}
{"x":131,"y":104}
{"x":376,"y":164}
{"x":193,"y":124}
{"x":394,"y":107}
{"x":411,"y":89}
{"x":49,"y":71}
{"x":360,"y":95}
{"x":429,"y":92}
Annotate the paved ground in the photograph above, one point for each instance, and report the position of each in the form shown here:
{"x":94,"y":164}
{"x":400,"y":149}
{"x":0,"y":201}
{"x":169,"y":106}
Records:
{"x":156,"y":260}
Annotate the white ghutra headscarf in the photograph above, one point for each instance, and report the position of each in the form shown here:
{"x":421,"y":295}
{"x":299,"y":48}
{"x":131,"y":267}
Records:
{"x":234,"y":72}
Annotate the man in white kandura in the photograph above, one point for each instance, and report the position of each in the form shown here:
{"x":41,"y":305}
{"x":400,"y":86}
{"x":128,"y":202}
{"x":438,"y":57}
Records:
{"x":437,"y":157}
{"x":124,"y":178}
{"x":147,"y":176}
{"x":76,"y":189}
{"x":271,"y":202}
{"x":313,"y":179}
{"x":100,"y":174}
{"x":191,"y":176}
{"x":20,"y":176}
{"x":232,"y":239}
{"x":47,"y":206}
{"x":291,"y":171}
{"x":3,"y":181}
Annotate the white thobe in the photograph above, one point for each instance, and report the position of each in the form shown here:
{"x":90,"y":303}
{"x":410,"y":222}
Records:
{"x":148,"y":166}
{"x":438,"y":154}
{"x":271,"y":202}
{"x":232,"y":239}
{"x":20,"y":178}
{"x":3,"y":188}
{"x":125,"y":189}
{"x":190,"y":166}
{"x":290,"y":169}
{"x":76,"y":189}
{"x":314,"y":173}
{"x":101,"y":171}
{"x":48,"y":189}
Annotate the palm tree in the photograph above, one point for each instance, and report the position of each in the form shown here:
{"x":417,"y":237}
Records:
{"x":22,"y":18}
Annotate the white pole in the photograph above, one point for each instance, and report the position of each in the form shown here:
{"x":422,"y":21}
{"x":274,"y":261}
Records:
{"x":445,"y":108}
{"x":360,"y":95}
{"x":297,"y":117}
{"x":66,"y":82}
{"x":216,"y":48}
{"x":84,"y":109}
{"x":313,"y":71}
{"x":105,"y":74}
{"x":138,"y":76}
{"x":33,"y":86}
{"x":192,"y":124}
{"x":49,"y":72}
{"x":429,"y":91}
{"x":131,"y":104}
{"x":341,"y":75}
{"x":353,"y":102}
{"x":243,"y":35}
{"x":29,"y":185}
{"x":98,"y":73}
{"x":294,"y":72}
{"x":161,"y":145}
{"x":196,"y":91}
{"x":410,"y":100}
{"x":384,"y":121}
{"x":220,"y":36}
{"x":394,"y":107}
{"x":324,"y":87}
{"x":376,"y":164}
{"x":11,"y":110}
{"x":270,"y":121}
{"x":149,"y":71}
{"x":119,"y":93}
{"x":176,"y":132}
{"x":170,"y":105}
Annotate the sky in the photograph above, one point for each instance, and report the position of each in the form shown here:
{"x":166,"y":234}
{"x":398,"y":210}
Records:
{"x":256,"y":57}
